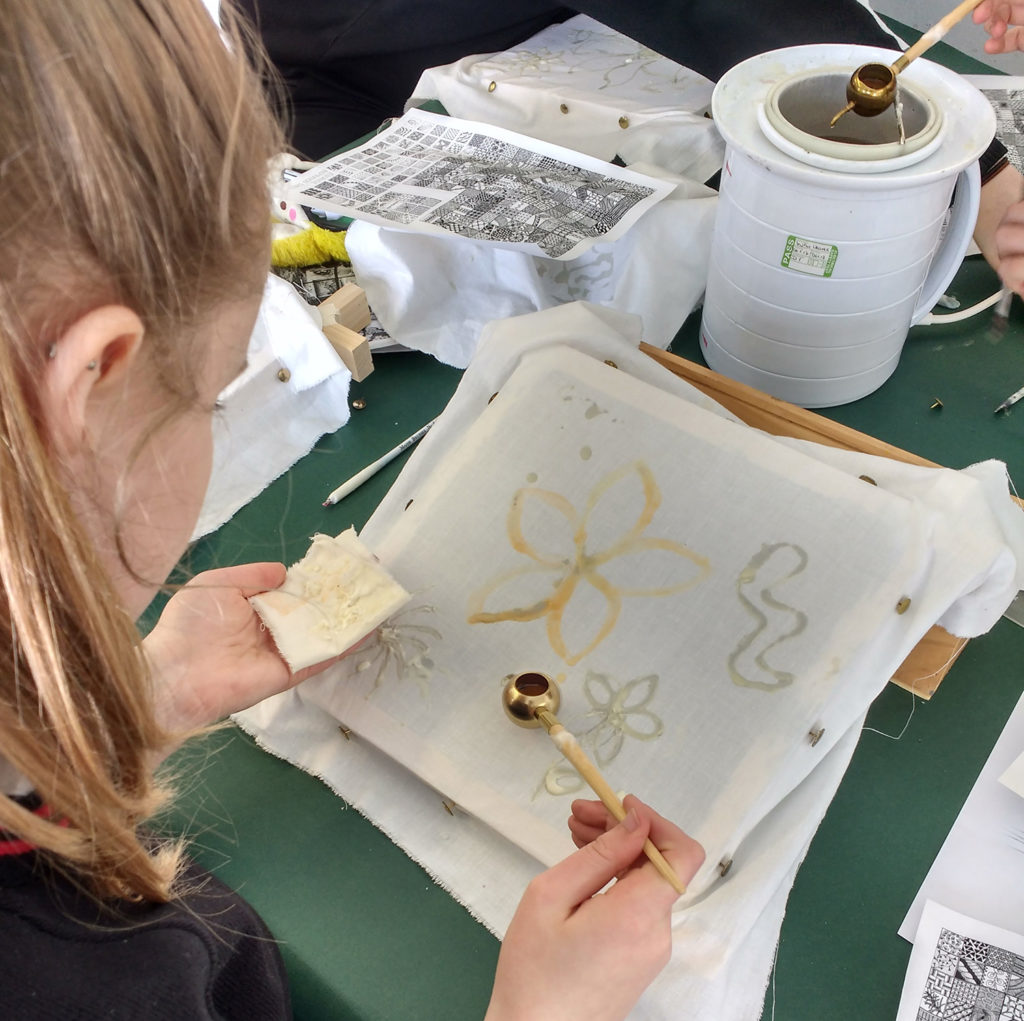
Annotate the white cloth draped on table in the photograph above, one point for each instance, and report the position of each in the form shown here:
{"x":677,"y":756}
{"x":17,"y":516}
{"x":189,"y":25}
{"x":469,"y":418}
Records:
{"x":622,"y":100}
{"x":585,"y":86}
{"x":294,"y":379}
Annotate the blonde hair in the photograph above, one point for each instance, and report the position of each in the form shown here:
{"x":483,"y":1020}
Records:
{"x":133,"y":149}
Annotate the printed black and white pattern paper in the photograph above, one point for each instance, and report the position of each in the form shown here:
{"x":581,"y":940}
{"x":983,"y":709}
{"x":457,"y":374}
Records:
{"x":963,"y":969}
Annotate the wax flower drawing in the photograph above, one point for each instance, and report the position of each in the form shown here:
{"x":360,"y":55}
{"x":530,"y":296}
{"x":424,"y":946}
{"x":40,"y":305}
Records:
{"x":400,"y":646}
{"x":621,"y":712}
{"x":620,"y":61}
{"x":569,"y":572}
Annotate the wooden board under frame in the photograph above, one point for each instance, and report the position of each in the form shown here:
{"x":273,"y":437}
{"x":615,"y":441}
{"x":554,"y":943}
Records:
{"x":922,"y":671}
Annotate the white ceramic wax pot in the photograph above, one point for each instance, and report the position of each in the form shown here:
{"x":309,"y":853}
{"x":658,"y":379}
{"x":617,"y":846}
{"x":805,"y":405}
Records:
{"x":830,"y":243}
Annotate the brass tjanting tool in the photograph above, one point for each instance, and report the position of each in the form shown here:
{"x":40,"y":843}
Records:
{"x":531,"y":700}
{"x":872,"y":87}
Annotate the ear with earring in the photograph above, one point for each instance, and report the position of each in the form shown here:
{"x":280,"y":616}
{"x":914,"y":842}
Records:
{"x":51,"y":353}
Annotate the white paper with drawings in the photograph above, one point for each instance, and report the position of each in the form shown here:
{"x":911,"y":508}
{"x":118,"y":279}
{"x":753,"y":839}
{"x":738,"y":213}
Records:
{"x":443,"y":176}
{"x":1006,"y":94}
{"x":963,"y":969}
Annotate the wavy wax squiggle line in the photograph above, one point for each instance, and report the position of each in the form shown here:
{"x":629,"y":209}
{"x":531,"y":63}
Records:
{"x":755,"y":567}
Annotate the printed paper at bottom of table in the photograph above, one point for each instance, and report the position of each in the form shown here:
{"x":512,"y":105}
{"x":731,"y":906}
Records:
{"x":963,"y":969}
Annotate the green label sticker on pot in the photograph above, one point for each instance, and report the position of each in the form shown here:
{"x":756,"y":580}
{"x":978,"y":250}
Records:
{"x":814,"y":257}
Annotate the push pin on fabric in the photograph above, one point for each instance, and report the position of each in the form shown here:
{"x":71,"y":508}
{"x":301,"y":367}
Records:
{"x":531,"y":700}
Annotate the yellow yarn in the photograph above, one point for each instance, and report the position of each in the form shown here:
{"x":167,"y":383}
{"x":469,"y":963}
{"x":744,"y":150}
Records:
{"x":311,"y":247}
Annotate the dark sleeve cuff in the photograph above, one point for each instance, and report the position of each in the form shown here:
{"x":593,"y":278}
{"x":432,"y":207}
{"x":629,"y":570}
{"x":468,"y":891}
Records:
{"x":992,"y":160}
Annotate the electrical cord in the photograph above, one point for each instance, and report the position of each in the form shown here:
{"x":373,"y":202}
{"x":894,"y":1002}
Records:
{"x":955,"y":317}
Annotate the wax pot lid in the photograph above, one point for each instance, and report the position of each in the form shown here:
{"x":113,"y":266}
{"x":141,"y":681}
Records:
{"x":966,"y":119}
{"x":796,"y":115}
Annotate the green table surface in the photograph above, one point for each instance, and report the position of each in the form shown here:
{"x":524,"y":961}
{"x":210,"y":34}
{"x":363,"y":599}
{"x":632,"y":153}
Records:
{"x":366,"y":933}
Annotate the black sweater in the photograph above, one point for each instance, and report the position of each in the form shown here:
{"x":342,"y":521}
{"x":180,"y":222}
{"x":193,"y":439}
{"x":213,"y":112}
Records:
{"x":208,"y":956}
{"x":349,"y":64}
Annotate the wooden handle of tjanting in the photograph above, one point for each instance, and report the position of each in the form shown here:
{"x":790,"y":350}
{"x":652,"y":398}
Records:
{"x":935,"y":33}
{"x":570,"y":748}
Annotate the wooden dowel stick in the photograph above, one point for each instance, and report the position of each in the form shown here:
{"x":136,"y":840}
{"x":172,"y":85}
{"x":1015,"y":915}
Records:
{"x":935,"y":33}
{"x":570,"y":748}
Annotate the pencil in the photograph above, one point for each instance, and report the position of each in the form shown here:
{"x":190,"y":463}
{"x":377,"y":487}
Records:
{"x":371,"y":469}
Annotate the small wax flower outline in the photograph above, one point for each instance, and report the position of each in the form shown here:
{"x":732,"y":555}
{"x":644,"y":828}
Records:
{"x":621,"y":713}
{"x":561,"y":572}
{"x":766,"y":567}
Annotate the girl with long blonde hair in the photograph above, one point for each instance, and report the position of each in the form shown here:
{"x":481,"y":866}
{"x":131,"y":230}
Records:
{"x":133,"y":246}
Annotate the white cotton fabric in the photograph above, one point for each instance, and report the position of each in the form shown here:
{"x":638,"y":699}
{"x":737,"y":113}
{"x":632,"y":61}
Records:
{"x":311,"y":402}
{"x":599,"y":77}
{"x":436,"y":294}
{"x":329,"y":600}
{"x":732,"y":764}
{"x":974,"y":515}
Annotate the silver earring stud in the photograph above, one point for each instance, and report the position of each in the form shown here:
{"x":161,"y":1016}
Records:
{"x":91,"y":365}
{"x":51,"y":351}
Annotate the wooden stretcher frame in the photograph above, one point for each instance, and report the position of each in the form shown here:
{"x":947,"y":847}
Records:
{"x":929,"y":662}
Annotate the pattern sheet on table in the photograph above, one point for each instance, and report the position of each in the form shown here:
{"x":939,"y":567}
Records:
{"x":462,"y":178}
{"x":1006,"y":95}
{"x":970,"y":979}
{"x":963,"y":969}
